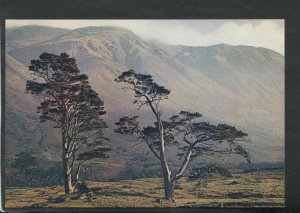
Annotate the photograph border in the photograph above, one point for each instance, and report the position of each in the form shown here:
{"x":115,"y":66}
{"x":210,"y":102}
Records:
{"x":178,"y":9}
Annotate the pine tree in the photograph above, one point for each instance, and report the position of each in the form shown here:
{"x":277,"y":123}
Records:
{"x":26,"y":164}
{"x":193,"y":137}
{"x":76,"y":109}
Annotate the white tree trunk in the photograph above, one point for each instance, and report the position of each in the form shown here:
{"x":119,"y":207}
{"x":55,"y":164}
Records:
{"x":67,"y":170}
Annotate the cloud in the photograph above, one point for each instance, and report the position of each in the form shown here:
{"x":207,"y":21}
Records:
{"x":257,"y":32}
{"x":266,"y":34}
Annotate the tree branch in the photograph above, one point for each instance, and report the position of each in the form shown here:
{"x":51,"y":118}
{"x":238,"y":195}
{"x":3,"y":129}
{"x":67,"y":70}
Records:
{"x":149,"y":145}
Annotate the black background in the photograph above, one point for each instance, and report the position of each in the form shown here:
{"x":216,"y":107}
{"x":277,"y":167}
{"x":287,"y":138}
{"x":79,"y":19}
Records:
{"x":186,"y":9}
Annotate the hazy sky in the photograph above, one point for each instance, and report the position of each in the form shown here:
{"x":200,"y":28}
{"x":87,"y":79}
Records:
{"x":268,"y":33}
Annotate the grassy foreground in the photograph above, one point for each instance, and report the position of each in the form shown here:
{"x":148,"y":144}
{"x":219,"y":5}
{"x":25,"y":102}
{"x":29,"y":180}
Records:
{"x":256,"y":189}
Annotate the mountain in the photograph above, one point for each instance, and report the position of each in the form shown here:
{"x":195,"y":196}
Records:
{"x":254,"y":74}
{"x":18,"y":37}
{"x":239,"y":85}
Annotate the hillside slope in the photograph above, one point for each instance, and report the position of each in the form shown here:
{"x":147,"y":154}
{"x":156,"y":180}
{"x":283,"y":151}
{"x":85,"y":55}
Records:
{"x":239,"y":85}
{"x":26,"y":35}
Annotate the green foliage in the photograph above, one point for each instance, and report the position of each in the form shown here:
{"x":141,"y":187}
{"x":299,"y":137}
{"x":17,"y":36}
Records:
{"x":185,"y":130}
{"x":66,"y":93}
{"x":39,"y":177}
{"x":29,"y":173}
{"x":25,"y":161}
{"x":51,"y":176}
{"x":143,"y":86}
{"x":127,"y":125}
{"x":75,"y":108}
{"x":96,"y":153}
{"x":26,"y":164}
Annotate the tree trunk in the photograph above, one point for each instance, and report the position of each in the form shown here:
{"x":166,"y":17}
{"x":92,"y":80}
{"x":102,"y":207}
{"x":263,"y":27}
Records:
{"x":67,"y":170}
{"x":27,"y":180}
{"x":77,"y":176}
{"x":169,"y":190}
{"x":168,"y":185}
{"x":67,"y":176}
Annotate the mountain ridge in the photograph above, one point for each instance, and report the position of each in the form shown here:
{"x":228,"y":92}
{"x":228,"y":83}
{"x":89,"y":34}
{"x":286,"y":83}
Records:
{"x":18,"y":37}
{"x":239,"y":89}
{"x":121,"y":29}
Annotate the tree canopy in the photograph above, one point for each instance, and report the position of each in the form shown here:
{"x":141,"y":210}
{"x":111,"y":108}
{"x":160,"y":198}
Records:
{"x":69,"y":101}
{"x":26,"y":164}
{"x":185,"y":130}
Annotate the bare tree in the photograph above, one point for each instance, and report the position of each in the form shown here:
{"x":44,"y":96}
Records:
{"x":193,"y":137}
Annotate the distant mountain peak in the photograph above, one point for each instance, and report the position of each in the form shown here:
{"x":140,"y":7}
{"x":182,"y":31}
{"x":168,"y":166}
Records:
{"x":18,"y":37}
{"x":101,"y":29}
{"x":35,"y":26}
